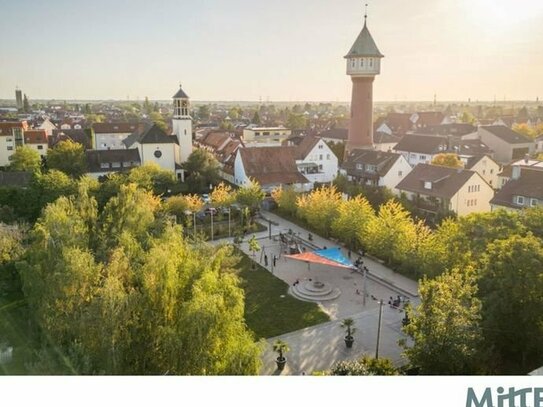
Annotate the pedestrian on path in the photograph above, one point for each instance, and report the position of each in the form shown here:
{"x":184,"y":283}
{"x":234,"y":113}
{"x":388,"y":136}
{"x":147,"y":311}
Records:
{"x":274,"y":260}
{"x":266,"y":260}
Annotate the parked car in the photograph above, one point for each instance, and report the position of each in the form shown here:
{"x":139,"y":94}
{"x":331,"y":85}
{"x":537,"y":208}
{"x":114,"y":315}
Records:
{"x":205,"y":198}
{"x":210,"y":211}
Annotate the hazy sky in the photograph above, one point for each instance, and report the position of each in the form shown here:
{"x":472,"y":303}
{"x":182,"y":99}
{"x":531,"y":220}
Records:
{"x":276,"y":50}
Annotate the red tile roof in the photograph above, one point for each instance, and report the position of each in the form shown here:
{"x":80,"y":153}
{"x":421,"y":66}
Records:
{"x":35,"y":137}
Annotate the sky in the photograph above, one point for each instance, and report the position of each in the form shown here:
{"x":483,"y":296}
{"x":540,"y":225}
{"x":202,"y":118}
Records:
{"x":269,"y":50}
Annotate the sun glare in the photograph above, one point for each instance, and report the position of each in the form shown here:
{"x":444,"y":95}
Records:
{"x":504,"y":12}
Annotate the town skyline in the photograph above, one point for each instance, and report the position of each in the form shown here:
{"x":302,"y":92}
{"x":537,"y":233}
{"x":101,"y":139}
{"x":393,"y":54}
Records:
{"x":436,"y":59}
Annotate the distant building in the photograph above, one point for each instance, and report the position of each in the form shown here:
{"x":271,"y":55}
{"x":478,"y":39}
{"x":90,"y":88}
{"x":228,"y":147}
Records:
{"x":421,"y":149}
{"x":539,"y":144}
{"x":523,"y":190}
{"x":48,"y":126}
{"x":507,"y":171}
{"x":436,"y":189}
{"x":507,"y":144}
{"x":376,"y":168}
{"x":264,"y":136}
{"x":110,"y":136}
{"x":19,"y":99}
{"x":334,"y":135}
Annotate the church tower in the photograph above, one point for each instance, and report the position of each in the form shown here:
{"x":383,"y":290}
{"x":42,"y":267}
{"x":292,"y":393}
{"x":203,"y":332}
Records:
{"x":182,"y":123}
{"x":363,"y":64}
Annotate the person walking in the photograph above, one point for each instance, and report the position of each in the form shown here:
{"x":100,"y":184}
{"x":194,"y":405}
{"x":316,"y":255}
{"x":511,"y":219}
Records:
{"x":266,"y":260}
{"x":274,"y":260}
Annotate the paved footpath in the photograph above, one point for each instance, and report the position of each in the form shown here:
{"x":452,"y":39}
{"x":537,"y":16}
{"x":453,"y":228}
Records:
{"x":320,"y":346}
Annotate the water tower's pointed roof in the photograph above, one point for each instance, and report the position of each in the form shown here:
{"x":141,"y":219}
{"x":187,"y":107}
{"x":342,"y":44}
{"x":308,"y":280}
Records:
{"x":180,"y":94}
{"x":364,"y":46}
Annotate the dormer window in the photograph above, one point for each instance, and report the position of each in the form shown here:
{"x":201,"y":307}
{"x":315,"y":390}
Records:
{"x":427,"y":184}
{"x":533,"y":202}
{"x":520,"y":200}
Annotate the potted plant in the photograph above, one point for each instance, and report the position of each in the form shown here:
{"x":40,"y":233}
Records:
{"x":281,"y":348}
{"x":348,"y":324}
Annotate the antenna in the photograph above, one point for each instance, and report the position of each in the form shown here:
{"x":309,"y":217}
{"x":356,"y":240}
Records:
{"x":365,"y":13}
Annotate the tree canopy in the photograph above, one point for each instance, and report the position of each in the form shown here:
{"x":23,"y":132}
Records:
{"x":68,"y":157}
{"x":25,"y":158}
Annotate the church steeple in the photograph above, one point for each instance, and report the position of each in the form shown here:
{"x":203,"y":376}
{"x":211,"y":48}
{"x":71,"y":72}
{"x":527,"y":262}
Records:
{"x":182,"y":123}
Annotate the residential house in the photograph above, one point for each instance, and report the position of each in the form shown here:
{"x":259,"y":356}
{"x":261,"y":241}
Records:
{"x":223,"y":146}
{"x":436,"y":189}
{"x":11,"y":137}
{"x":507,"y":144}
{"x":110,"y":136}
{"x":421,"y":149}
{"x":507,"y":171}
{"x":397,"y":123}
{"x":270,"y":166}
{"x":456,"y":130}
{"x":37,"y":140}
{"x":315,"y":160}
{"x":485,"y":166}
{"x":334,"y":135}
{"x":383,"y":141}
{"x":524,"y":190}
{"x":104,"y":162}
{"x":376,"y":168}
{"x":80,"y":136}
{"x":421,"y":120}
{"x":154,"y":145}
{"x":48,"y":126}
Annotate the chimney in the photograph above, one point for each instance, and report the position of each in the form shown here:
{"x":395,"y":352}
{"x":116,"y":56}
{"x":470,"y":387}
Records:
{"x":515,"y":173}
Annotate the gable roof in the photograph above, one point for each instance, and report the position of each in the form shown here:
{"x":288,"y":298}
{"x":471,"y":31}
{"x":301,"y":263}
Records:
{"x":422,"y":144}
{"x":97,"y":157}
{"x":306,"y":145}
{"x":151,"y":134}
{"x":506,"y":134}
{"x":469,"y":147}
{"x":336,"y":134}
{"x":123,"y":127}
{"x":364,"y":46}
{"x":35,"y":137}
{"x":6,"y":127}
{"x":180,"y":94}
{"x":507,"y":170}
{"x":76,"y":135}
{"x":445,"y":181}
{"x":471,"y":161}
{"x":272,"y":165}
{"x":381,"y":159}
{"x":449,"y":129}
{"x":399,"y":122}
{"x":380,"y":137}
{"x":529,"y":184}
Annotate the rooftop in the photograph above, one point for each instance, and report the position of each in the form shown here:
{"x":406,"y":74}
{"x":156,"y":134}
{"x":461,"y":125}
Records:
{"x":529,"y":184}
{"x":507,"y":135}
{"x":364,"y":45}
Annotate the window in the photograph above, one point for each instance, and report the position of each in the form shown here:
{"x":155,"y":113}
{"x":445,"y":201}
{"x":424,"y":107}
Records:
{"x":359,"y":166}
{"x":10,"y":148}
{"x":427,"y":185}
{"x":40,"y":147}
{"x":370,"y":168}
{"x":158,"y":153}
{"x":362,"y":62}
{"x":115,"y":165}
{"x":327,"y":156}
{"x":9,"y":140}
{"x":185,"y":132}
{"x":320,"y":146}
{"x":320,"y":167}
{"x":422,"y":157}
{"x":126,"y":164}
{"x":520,"y":200}
{"x":491,"y":171}
{"x":371,"y":62}
{"x":533,"y":202}
{"x":400,"y":173}
{"x":320,"y":157}
{"x":353,"y":63}
{"x":104,"y":165}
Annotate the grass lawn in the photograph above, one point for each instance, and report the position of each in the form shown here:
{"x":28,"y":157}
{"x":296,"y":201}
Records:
{"x":266,"y":313}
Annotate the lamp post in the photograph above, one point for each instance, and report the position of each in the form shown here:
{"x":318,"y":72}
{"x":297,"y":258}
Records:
{"x":379,"y":329}
{"x":229,"y":211}
{"x":211,"y":213}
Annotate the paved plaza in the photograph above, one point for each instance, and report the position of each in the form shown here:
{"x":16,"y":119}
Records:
{"x":320,"y":346}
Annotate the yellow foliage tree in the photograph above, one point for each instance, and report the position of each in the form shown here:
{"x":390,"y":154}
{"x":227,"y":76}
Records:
{"x":352,"y":216}
{"x":285,"y":199}
{"x":319,"y":208}
{"x":448,"y":160}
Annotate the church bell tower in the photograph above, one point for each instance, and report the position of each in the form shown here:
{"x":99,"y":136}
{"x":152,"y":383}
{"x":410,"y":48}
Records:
{"x":182,"y":123}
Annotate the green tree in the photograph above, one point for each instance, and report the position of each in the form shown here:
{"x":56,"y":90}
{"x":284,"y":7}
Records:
{"x":447,"y":160}
{"x":445,"y":328}
{"x":532,"y":219}
{"x":152,"y":177}
{"x":511,"y":282}
{"x":256,"y":118}
{"x":26,"y":104}
{"x":338,"y":149}
{"x":203,"y":112}
{"x":285,"y":197}
{"x":222,"y":196}
{"x":525,"y":130}
{"x":68,"y":157}
{"x":319,"y":208}
{"x":25,"y":159}
{"x":250,"y":196}
{"x":158,"y":119}
{"x":203,"y":170}
{"x":389,"y":234}
{"x":467,"y":117}
{"x":253,"y":248}
{"x":352,"y":216}
{"x":296,"y":121}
